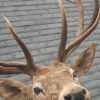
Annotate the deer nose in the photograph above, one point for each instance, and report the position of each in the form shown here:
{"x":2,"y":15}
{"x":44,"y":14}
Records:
{"x":76,"y":96}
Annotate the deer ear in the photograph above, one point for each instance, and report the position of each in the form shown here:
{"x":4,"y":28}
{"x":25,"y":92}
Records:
{"x":9,"y":86}
{"x":82,"y":63}
{"x":12,"y":88}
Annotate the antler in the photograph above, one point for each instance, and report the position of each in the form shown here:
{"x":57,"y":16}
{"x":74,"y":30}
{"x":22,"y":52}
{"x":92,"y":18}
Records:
{"x":91,"y":27}
{"x":18,"y":67}
{"x":61,"y":51}
{"x":11,"y":70}
{"x":81,"y":33}
{"x":80,"y":29}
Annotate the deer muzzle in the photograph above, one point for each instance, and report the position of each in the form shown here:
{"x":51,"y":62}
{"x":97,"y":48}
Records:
{"x":74,"y":92}
{"x":76,"y":96}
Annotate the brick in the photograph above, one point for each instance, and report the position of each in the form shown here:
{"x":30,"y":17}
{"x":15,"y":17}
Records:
{"x":14,"y":49}
{"x":33,"y":2}
{"x":18,"y":55}
{"x":42,"y":58}
{"x":51,"y":1}
{"x":38,"y":11}
{"x":95,"y":93}
{"x":4,"y":50}
{"x":5,"y":37}
{"x":13,"y":3}
{"x":35,"y":52}
{"x":20,"y":29}
{"x":35,"y":46}
{"x":54,"y":42}
{"x":14,"y":18}
{"x":46,"y":6}
{"x":49,"y":31}
{"x":6,"y":57}
{"x":31,"y":17}
{"x":44,"y":38}
{"x":48,"y":50}
{"x":23,"y":23}
{"x":29,"y":34}
{"x":50,"y":15}
{"x":2,"y":44}
{"x":23,"y":8}
{"x":42,"y":21}
{"x":54,"y":25}
{"x":92,"y":77}
{"x":16,"y":13}
{"x":11,"y":42}
{"x":33,"y":28}
{"x":8,"y":9}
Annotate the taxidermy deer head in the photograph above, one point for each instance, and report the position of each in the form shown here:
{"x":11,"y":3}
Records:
{"x":57,"y":81}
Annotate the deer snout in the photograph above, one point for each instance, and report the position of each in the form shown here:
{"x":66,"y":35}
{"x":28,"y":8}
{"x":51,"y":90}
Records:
{"x":76,"y":96}
{"x":74,"y":92}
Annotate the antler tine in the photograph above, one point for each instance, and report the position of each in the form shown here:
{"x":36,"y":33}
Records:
{"x":13,"y":64}
{"x":13,"y":67}
{"x":80,"y":28}
{"x":93,"y":24}
{"x":10,"y":70}
{"x":83,"y":36}
{"x":96,"y":9}
{"x":30,"y":62}
{"x":61,"y":51}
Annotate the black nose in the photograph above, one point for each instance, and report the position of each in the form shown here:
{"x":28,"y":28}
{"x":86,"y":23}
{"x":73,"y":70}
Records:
{"x":76,"y":96}
{"x":68,"y":97}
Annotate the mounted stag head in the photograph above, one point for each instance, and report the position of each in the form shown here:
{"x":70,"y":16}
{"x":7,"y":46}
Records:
{"x":57,"y":81}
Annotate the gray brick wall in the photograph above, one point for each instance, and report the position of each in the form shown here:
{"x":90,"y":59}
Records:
{"x":38,"y":22}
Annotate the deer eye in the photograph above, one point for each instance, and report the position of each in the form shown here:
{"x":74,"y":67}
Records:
{"x":75,"y":76}
{"x":37,"y":90}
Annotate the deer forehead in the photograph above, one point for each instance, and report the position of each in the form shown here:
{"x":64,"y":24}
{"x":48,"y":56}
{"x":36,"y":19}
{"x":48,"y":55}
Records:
{"x":54,"y":72}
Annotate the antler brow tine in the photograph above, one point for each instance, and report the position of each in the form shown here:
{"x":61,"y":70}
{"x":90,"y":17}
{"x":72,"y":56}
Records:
{"x":61,"y":50}
{"x":27,"y":53}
